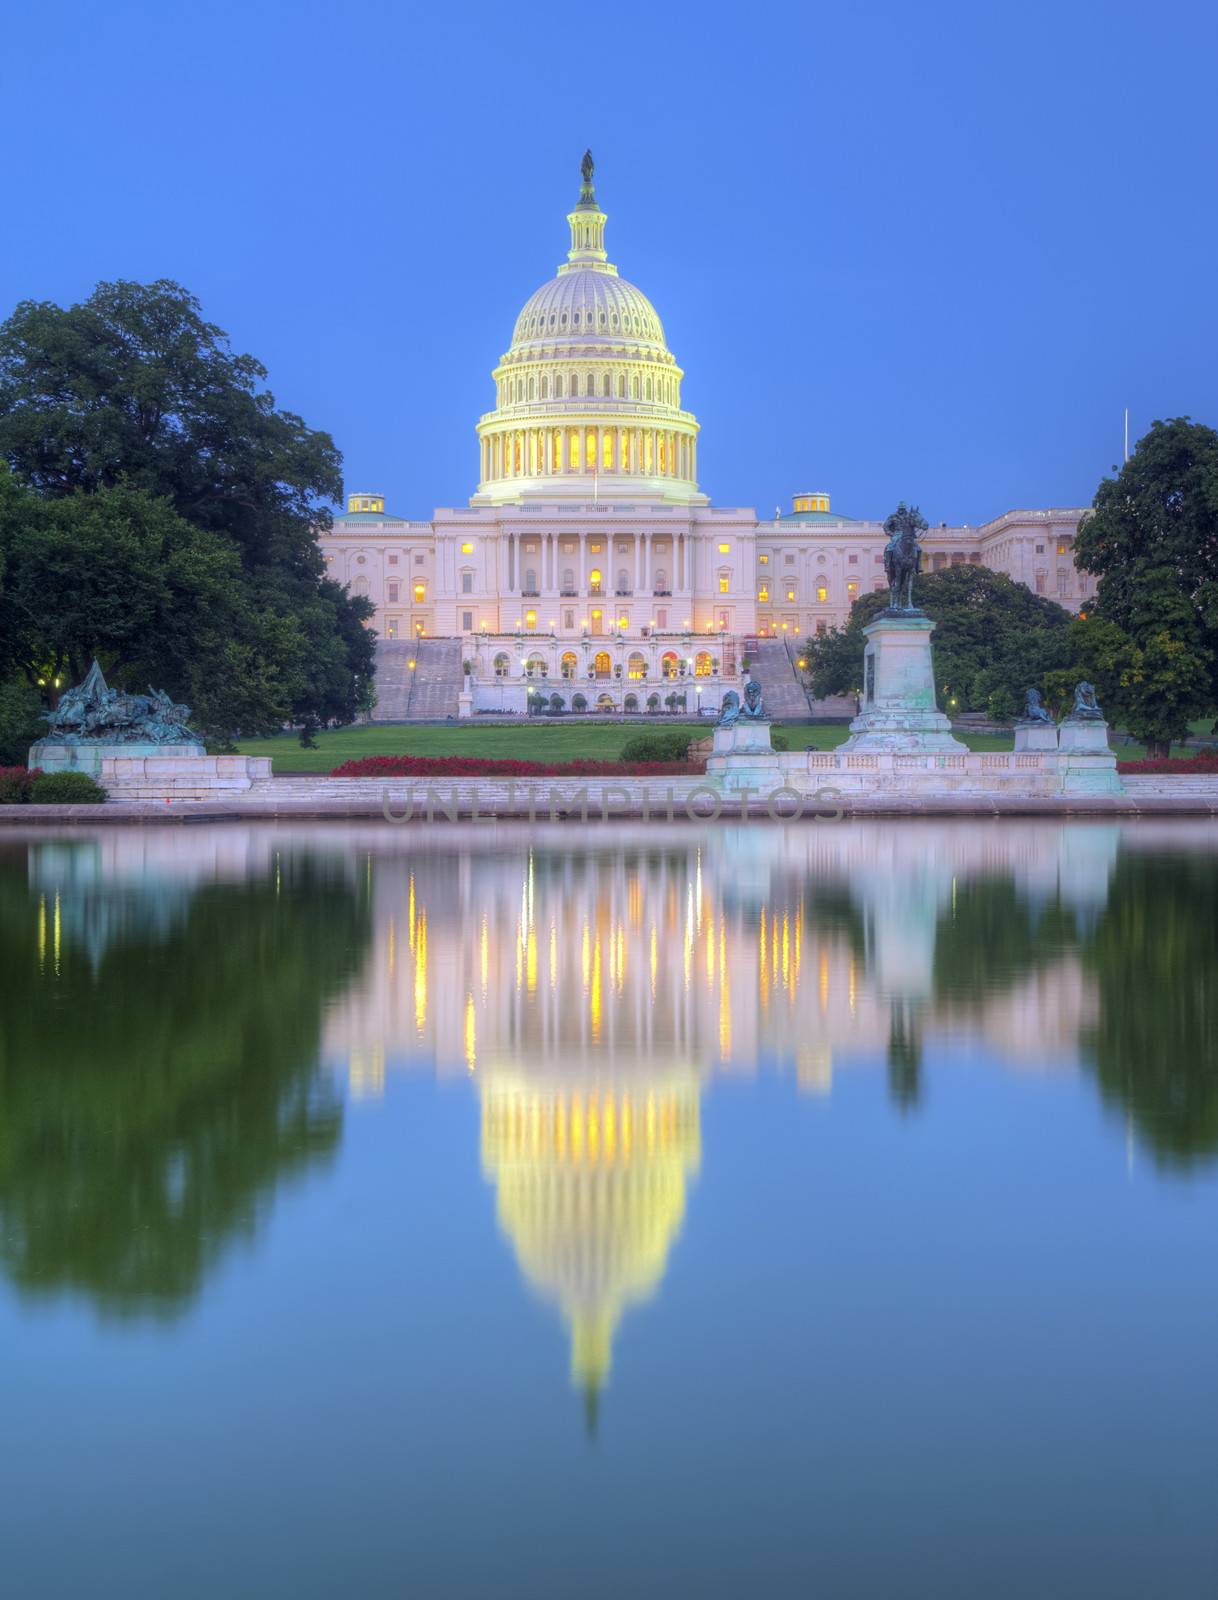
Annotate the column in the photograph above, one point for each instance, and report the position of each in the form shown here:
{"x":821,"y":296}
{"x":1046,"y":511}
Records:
{"x":583,"y":566}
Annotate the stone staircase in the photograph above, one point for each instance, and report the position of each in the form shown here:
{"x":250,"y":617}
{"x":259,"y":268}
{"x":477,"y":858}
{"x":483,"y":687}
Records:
{"x":782,"y":690}
{"x":428,"y":691}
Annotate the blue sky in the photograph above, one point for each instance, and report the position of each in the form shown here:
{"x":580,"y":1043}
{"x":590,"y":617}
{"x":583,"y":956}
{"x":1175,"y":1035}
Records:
{"x":927,"y":251}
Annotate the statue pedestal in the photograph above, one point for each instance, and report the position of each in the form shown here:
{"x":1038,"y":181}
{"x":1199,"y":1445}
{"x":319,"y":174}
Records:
{"x":899,"y":711}
{"x":465,"y":704}
{"x":53,"y":756}
{"x":743,"y":757}
{"x":1035,"y":736}
{"x":1087,"y":765}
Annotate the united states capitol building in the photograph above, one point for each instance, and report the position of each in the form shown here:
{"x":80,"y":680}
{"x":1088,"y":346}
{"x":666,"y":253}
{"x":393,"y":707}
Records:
{"x":589,"y":571}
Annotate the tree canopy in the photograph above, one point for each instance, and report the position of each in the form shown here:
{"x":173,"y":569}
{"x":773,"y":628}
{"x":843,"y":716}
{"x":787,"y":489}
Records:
{"x":1152,"y":540}
{"x":993,"y":638}
{"x":164,"y":513}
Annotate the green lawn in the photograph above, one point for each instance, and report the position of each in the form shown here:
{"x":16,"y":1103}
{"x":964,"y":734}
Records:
{"x":522,"y":741}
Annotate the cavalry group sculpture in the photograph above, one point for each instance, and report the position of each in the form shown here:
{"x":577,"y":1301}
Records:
{"x":94,"y":713}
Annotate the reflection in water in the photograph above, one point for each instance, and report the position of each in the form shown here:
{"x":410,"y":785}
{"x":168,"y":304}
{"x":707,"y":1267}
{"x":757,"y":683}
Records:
{"x":168,"y":996}
{"x":159,"y":1038}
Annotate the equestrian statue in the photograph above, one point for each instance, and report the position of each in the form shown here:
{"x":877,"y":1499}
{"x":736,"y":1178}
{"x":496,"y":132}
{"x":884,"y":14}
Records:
{"x":903,"y":555}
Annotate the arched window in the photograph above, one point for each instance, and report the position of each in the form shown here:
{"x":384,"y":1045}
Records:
{"x":590,"y":385}
{"x":573,"y":386}
{"x":634,"y":387}
{"x":621,"y":387}
{"x":702,"y":664}
{"x":360,"y":586}
{"x":600,"y":664}
{"x":623,"y":581}
{"x":501,"y":665}
{"x":556,"y":705}
{"x":568,"y":580}
{"x":636,"y":665}
{"x":661,"y":581}
{"x":545,"y":388}
{"x":530,"y":580}
{"x":631,"y":703}
{"x":558,"y":386}
{"x":578,"y":703}
{"x":534,"y":667}
{"x":653,"y":704}
{"x":604,"y":704}
{"x":649,"y":393}
{"x":568,"y":664}
{"x":668,"y":664}
{"x":532,"y":388}
{"x":605,"y":386}
{"x":594,"y":581}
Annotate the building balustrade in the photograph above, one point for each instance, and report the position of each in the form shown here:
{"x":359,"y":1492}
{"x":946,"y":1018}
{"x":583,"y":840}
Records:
{"x":664,"y":593}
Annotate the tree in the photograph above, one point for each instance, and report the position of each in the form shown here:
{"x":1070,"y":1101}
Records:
{"x":1152,"y":539}
{"x":991,"y":634}
{"x":132,"y":388}
{"x":118,"y":575}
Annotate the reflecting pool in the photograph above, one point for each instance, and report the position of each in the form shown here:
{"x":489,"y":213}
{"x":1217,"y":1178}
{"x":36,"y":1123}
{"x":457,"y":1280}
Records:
{"x":485,"y":1210}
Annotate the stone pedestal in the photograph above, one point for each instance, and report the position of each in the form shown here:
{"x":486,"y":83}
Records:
{"x":1086,"y":765}
{"x":465,"y":704}
{"x":899,"y":711}
{"x":743,"y":757}
{"x":1035,"y":736}
{"x":54,"y":757}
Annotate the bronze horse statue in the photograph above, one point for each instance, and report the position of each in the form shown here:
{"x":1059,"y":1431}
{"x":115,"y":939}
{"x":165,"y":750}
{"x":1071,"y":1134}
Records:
{"x":903,"y":555}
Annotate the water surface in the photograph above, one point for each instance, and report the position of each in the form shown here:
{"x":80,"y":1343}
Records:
{"x":610,"y":1211}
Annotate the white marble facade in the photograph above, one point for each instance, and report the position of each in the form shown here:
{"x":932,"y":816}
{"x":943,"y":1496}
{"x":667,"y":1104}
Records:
{"x":588,"y":534}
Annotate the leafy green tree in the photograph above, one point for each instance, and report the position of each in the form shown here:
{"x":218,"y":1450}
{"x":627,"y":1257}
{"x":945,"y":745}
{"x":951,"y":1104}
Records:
{"x":133,"y":388}
{"x":1152,"y":539}
{"x":991,"y":634}
{"x":118,"y":575}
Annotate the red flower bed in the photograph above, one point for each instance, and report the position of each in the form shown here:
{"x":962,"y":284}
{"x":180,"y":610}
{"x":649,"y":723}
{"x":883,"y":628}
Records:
{"x":15,"y":784}
{"x":1198,"y":766}
{"x":486,"y":767}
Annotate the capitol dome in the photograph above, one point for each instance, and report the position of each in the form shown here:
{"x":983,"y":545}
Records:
{"x":588,"y":395}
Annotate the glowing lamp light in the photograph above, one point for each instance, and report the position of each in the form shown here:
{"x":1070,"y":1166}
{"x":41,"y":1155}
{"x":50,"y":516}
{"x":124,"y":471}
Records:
{"x":411,"y":665}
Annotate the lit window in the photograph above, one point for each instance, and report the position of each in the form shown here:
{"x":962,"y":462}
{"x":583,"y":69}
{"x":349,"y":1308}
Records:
{"x":530,"y":620}
{"x":791,"y":594}
{"x":723,"y":585}
{"x":765,"y":560}
{"x":725,"y":549}
{"x":763,"y":594}
{"x":467,"y":549}
{"x":822,"y":592}
{"x":420,"y":591}
{"x":852,"y":587}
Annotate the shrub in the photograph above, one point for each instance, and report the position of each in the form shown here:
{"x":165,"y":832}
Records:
{"x":21,"y":724}
{"x":657,"y":747}
{"x":65,"y":789}
{"x":779,"y":741}
{"x":15,"y":784}
{"x":499,"y":767}
{"x":1201,"y":765}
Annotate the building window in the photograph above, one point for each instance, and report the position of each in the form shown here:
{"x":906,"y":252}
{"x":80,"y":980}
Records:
{"x":765,"y":560}
{"x":852,"y":561}
{"x":725,"y":549}
{"x":822,"y":593}
{"x":763,"y":593}
{"x":791,"y":594}
{"x":420,"y":592}
{"x":467,"y":621}
{"x":530,"y":621}
{"x":418,"y":560}
{"x":724,"y":583}
{"x":467,"y":549}
{"x":393,"y":591}
{"x":1040,"y":583}
{"x":568,"y":619}
{"x":852,"y":588}
{"x":1040,"y":549}
{"x":393,"y":561}
{"x":467,"y":583}
{"x":501,"y":664}
{"x":594,"y":581}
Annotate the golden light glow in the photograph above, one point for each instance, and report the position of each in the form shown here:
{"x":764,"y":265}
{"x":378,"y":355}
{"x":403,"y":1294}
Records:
{"x":467,"y":549}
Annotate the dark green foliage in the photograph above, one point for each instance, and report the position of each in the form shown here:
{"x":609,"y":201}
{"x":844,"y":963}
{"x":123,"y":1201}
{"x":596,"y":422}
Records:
{"x":1152,"y":539}
{"x":672,"y":746}
{"x":779,"y":741}
{"x":133,"y":394}
{"x":65,"y":789}
{"x":20,"y":718}
{"x":990,"y":634}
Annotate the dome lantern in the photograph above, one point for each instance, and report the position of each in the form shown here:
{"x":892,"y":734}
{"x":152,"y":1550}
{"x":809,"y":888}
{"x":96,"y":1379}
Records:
{"x":587,"y":224}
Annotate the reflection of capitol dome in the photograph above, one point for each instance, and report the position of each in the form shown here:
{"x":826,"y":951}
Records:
{"x":589,"y":388}
{"x":591,"y":1186}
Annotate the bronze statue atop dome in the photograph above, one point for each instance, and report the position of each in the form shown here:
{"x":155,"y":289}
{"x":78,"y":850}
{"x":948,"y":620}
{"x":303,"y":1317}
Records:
{"x":587,"y":195}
